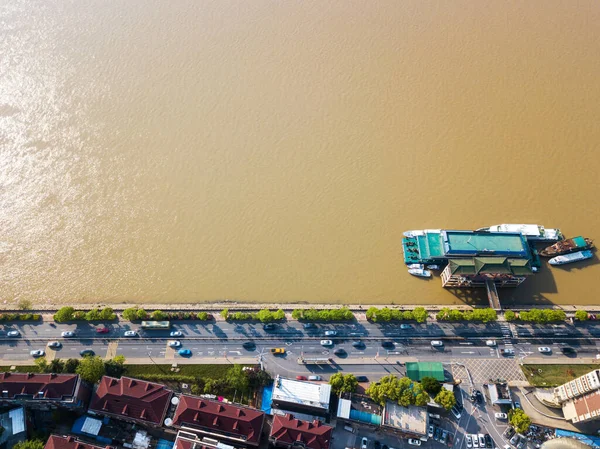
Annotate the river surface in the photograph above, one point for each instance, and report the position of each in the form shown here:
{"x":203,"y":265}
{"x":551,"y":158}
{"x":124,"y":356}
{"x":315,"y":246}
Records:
{"x":273,"y":151}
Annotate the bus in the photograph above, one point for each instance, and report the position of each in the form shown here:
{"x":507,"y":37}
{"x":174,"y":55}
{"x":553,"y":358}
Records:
{"x":314,"y":360}
{"x":156,"y":325}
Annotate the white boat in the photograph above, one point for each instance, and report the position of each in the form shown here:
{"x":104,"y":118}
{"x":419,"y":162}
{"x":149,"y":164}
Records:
{"x":411,"y":234}
{"x":530,"y":231}
{"x":433,"y":267}
{"x":420,"y":272}
{"x":416,"y":265}
{"x":570,"y":258}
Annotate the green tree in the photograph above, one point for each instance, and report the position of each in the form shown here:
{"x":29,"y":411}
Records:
{"x":519,"y":420}
{"x":581,"y":315}
{"x":115,"y":367}
{"x":225,"y":314}
{"x":446,"y":399}
{"x":236,"y":378}
{"x":422,"y":399}
{"x":93,"y":315}
{"x":142,"y":314}
{"x":64,"y":314}
{"x":130,"y":314}
{"x":24,"y":304}
{"x":372,"y":314}
{"x":56,"y":366}
{"x":337,"y":383}
{"x":420,"y":314}
{"x":509,"y":315}
{"x":259,"y":378}
{"x":71,"y":366}
{"x":202,"y":316}
{"x":158,"y":315}
{"x":29,"y":444}
{"x":42,"y":365}
{"x":350,"y":383}
{"x":431,"y":385}
{"x":107,"y":314}
{"x":91,"y":369}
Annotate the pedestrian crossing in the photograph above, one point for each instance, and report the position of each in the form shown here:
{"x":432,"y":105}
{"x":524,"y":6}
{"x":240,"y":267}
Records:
{"x":507,"y":335}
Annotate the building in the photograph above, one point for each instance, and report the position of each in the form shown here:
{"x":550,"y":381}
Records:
{"x":44,"y":391}
{"x":218,"y":420}
{"x":15,"y":427}
{"x":417,"y":370}
{"x":583,"y":408}
{"x":408,"y":421}
{"x":578,"y":387}
{"x":360,"y":409}
{"x":187,"y":440}
{"x":308,"y":398}
{"x":69,"y":442}
{"x":499,"y":394}
{"x":472,"y":258}
{"x":288,"y":432}
{"x":131,"y":400}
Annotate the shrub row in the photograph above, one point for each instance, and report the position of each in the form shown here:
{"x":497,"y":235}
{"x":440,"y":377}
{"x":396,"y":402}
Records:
{"x":263,"y":315}
{"x":166,"y":378}
{"x":20,"y":317}
{"x":484,"y":315}
{"x":385,"y":314}
{"x":343,"y":314}
{"x":135,"y":313}
{"x":65,"y":314}
{"x":536,"y":316}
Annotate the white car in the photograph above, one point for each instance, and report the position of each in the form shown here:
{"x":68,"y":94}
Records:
{"x":174,"y":343}
{"x":490,"y":343}
{"x":330,"y":333}
{"x":414,"y":442}
{"x":54,"y":344}
{"x":176,"y":334}
{"x":67,"y":334}
{"x":481,"y":440}
{"x":130,"y":334}
{"x":437,"y":343}
{"x":475,"y":440}
{"x":326,"y":343}
{"x":363,"y":444}
{"x":315,"y":378}
{"x":13,"y":334}
{"x":469,"y":441}
{"x":37,"y":353}
{"x":430,"y":432}
{"x":501,"y":415}
{"x":544,"y":350}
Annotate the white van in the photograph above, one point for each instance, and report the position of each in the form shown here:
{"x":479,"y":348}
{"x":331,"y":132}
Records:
{"x":490,"y":343}
{"x":349,"y":429}
{"x":315,"y":378}
{"x":437,"y":343}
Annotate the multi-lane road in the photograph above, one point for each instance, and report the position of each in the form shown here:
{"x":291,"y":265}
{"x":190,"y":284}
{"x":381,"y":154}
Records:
{"x":223,"y":341}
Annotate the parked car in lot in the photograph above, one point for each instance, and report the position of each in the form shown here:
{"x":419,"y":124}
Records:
{"x":130,"y":334}
{"x":544,"y":350}
{"x":437,"y":343}
{"x":414,"y":442}
{"x":364,"y":443}
{"x":481,"y":440}
{"x":509,"y":432}
{"x":444,"y":436}
{"x":517,"y":404}
{"x":475,"y":440}
{"x":500,"y":415}
{"x":362,"y":378}
{"x":87,"y":353}
{"x":174,"y":344}
{"x":37,"y":353}
{"x":469,"y":440}
{"x":490,"y":343}
{"x":437,"y":434}
{"x":54,"y":344}
{"x":430,"y":432}
{"x":456,"y":412}
{"x":488,"y":440}
{"x":514,"y":440}
{"x":330,"y":333}
{"x":102,"y":330}
{"x":326,"y":343}
{"x":176,"y":334}
{"x":301,"y":378}
{"x":67,"y":334}
{"x":13,"y":334}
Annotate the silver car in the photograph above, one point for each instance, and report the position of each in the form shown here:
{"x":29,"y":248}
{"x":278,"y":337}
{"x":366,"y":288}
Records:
{"x":67,"y":334}
{"x":174,"y":343}
{"x":13,"y":334}
{"x":37,"y":353}
{"x":54,"y":344}
{"x":326,"y":343}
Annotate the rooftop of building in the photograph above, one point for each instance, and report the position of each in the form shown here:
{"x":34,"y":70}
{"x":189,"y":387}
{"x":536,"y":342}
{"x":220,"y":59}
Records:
{"x":131,"y":398}
{"x":213,"y":417}
{"x":300,"y":392}
{"x":38,"y":386}
{"x":586,"y":407}
{"x":490,"y":265}
{"x":409,"y":419}
{"x":417,"y":370}
{"x":69,"y":442}
{"x":14,"y":427}
{"x":312,"y":434}
{"x":359,"y":408}
{"x":188,"y":440}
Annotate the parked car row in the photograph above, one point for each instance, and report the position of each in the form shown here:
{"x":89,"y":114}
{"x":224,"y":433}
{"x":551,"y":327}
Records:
{"x":441,"y":435}
{"x":479,"y":440}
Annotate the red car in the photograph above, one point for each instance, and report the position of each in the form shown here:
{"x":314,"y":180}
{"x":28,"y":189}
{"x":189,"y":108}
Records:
{"x":300,"y":377}
{"x":102,"y":330}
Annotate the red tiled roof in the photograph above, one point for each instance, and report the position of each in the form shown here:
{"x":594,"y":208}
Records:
{"x":131,"y":398}
{"x":589,"y":403}
{"x":313,"y":435}
{"x":53,"y":386}
{"x":69,"y":442}
{"x":227,"y":420}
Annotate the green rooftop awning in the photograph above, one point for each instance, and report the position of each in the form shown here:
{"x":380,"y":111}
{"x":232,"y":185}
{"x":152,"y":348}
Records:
{"x":417,"y":370}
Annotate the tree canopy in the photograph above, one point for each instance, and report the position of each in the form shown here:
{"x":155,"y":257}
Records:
{"x":29,"y":444}
{"x":519,"y":420}
{"x":403,"y":391}
{"x":341,"y":383}
{"x":91,"y":369}
{"x":446,"y":399}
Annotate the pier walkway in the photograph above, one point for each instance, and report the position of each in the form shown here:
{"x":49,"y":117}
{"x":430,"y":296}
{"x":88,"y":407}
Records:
{"x":492,"y":293}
